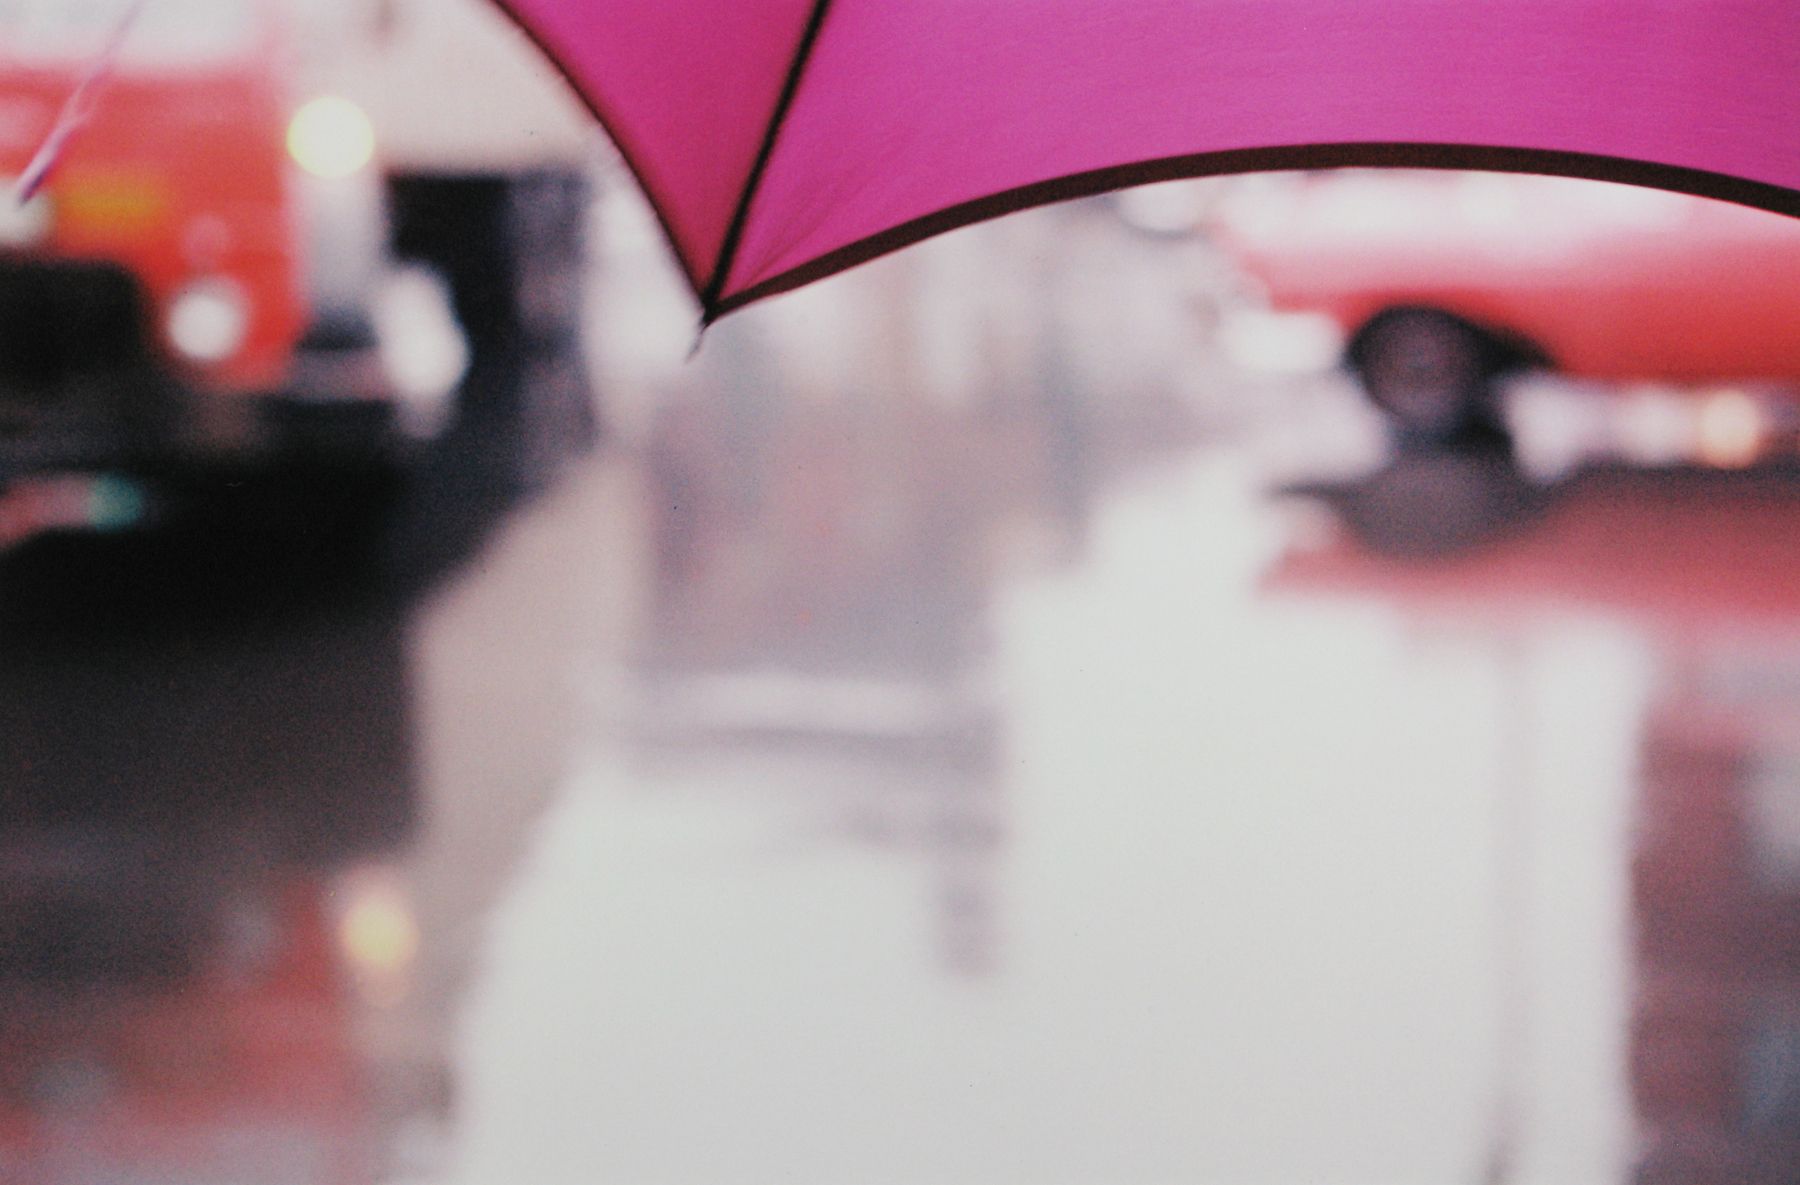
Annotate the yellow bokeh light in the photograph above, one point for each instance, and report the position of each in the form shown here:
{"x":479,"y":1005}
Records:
{"x":378,"y":931}
{"x":331,"y":137}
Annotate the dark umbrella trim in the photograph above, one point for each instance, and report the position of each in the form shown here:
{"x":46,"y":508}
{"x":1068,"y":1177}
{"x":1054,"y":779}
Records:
{"x":790,"y":86}
{"x":1699,"y":182}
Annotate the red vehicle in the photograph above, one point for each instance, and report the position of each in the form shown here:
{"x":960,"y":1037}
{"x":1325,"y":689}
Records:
{"x":1443,"y":282}
{"x":197,"y":280}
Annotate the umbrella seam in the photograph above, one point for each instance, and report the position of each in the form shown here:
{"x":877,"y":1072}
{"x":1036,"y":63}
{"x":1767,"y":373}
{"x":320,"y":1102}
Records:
{"x":740,"y":217}
{"x":1742,"y":191}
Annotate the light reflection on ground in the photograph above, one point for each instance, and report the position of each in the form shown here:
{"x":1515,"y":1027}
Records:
{"x":1264,"y":883}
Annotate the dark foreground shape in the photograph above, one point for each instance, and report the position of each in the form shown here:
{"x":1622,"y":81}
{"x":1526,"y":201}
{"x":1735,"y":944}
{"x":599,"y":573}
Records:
{"x":513,"y":250}
{"x":1433,"y":376}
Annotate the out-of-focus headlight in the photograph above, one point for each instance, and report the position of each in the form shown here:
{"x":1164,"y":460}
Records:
{"x":331,"y":137}
{"x":208,"y":320}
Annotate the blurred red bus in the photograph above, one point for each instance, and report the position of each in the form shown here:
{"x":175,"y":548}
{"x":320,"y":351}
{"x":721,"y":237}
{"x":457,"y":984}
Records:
{"x":198,"y":278}
{"x":1444,"y":282}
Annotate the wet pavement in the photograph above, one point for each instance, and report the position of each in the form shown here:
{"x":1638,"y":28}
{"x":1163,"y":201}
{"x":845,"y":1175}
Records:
{"x":899,"y":795}
{"x":957,"y":729}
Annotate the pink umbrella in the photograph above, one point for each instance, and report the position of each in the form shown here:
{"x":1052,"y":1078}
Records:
{"x":784,"y":140}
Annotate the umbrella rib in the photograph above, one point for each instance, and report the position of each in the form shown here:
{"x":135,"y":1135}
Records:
{"x":77,"y":108}
{"x":734,"y":231}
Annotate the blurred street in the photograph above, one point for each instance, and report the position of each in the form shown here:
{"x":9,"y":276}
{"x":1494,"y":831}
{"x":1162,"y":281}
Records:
{"x":1292,"y":678}
{"x":969,"y":769}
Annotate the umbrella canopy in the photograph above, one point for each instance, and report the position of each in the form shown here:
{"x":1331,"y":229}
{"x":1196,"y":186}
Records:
{"x":783,"y":140}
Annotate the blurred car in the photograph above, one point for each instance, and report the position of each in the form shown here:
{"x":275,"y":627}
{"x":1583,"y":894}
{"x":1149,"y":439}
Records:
{"x":1444,"y":282}
{"x":209,"y":277}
